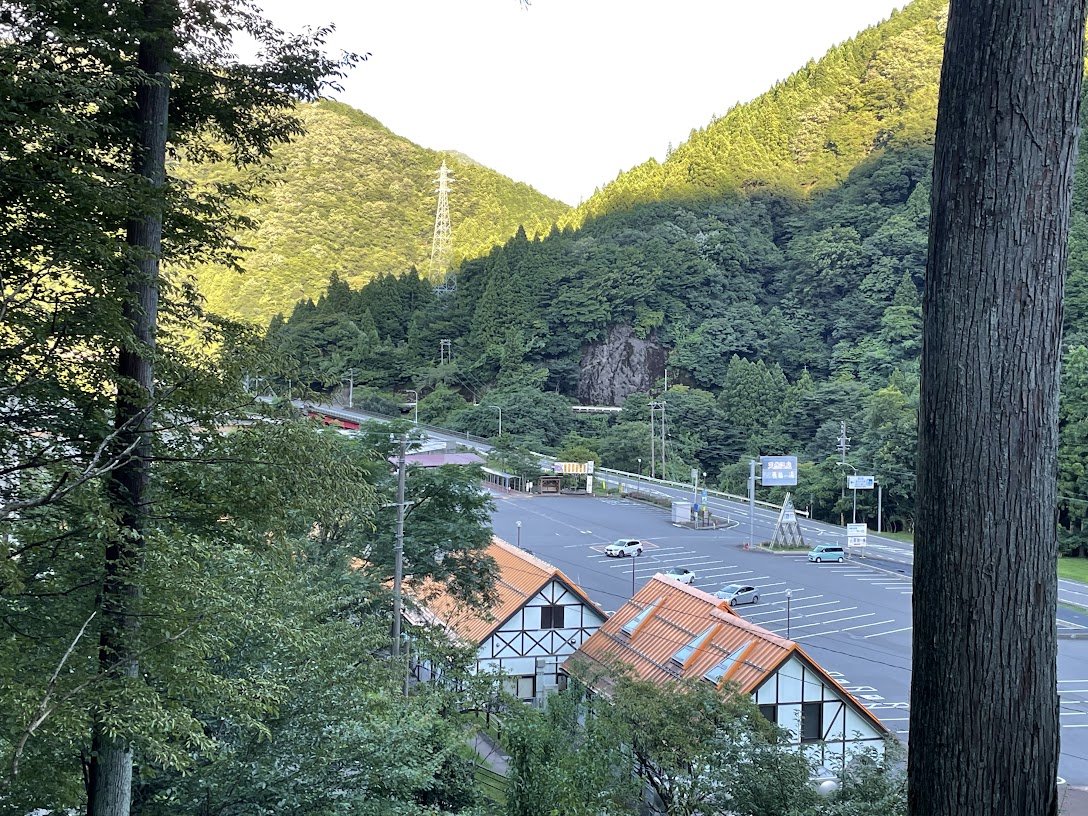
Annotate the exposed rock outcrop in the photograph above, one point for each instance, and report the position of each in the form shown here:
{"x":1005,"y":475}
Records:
{"x":619,"y":366}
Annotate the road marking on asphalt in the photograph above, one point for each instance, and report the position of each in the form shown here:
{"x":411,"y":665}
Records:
{"x":794,"y":626}
{"x":864,"y":625}
{"x":889,"y":632}
{"x":832,"y":612}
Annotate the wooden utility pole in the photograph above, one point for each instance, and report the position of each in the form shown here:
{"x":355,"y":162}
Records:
{"x":984,"y":727}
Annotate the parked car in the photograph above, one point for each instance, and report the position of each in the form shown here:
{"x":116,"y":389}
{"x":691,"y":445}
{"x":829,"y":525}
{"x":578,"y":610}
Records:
{"x":623,"y":546}
{"x":684,"y":576}
{"x":738,"y":594}
{"x":827,"y":552}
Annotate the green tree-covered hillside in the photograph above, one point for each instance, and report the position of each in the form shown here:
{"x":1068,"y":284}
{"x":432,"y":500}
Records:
{"x":353,"y":198}
{"x":808,"y":132}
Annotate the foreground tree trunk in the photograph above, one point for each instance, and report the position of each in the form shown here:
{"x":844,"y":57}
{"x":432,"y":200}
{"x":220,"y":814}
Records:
{"x":110,"y":773}
{"x":984,"y":723}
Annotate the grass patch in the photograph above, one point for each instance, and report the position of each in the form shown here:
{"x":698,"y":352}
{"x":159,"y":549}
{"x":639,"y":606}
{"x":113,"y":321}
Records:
{"x":1075,"y":569}
{"x":907,"y":538}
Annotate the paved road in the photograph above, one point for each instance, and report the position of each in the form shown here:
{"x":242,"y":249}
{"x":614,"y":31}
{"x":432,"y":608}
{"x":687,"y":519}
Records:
{"x":852,"y":618}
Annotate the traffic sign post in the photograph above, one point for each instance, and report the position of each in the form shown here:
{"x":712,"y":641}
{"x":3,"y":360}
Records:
{"x":857,"y":482}
{"x":856,"y":535}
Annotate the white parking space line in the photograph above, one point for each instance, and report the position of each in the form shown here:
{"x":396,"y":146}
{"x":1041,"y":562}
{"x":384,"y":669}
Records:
{"x":889,"y":632}
{"x":865,"y":625}
{"x":829,"y":622}
{"x":831,"y":612}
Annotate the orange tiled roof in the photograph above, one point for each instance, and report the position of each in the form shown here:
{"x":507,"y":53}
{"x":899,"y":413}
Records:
{"x":702,"y":633}
{"x":520,"y":576}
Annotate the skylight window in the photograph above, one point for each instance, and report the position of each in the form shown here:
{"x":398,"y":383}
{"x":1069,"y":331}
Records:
{"x":722,"y":668}
{"x":634,"y":623}
{"x":684,"y":652}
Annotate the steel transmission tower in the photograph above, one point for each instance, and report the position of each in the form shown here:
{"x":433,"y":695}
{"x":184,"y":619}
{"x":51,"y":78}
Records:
{"x":442,"y":246}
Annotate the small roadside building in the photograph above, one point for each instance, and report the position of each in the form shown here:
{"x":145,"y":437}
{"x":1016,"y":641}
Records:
{"x":539,"y":618}
{"x":670,"y":630}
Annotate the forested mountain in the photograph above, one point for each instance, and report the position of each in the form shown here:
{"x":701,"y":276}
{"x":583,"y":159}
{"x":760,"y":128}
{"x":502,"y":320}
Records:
{"x":353,"y":198}
{"x":809,"y":132}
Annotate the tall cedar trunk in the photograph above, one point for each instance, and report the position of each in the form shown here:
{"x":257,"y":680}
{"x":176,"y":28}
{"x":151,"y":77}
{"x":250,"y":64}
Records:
{"x":110,"y":777}
{"x":984,"y":709}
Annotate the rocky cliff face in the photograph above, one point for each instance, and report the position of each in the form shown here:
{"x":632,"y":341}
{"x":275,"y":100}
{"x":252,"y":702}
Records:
{"x":621,"y":365}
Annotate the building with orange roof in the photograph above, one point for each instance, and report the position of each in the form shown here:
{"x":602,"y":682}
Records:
{"x":670,"y":631}
{"x":539,"y":618}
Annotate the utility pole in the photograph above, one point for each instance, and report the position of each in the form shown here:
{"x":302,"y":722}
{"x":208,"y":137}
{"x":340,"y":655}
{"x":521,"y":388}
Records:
{"x":879,"y":503}
{"x":653,"y":453}
{"x":351,"y":387}
{"x":751,"y":502}
{"x":398,"y":547}
{"x":415,"y":402}
{"x":445,"y":352}
{"x":664,"y":470}
{"x":499,"y":409}
{"x":844,"y":446}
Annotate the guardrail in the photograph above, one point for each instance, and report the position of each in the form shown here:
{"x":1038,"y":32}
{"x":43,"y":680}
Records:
{"x":684,"y":486}
{"x":341,"y":412}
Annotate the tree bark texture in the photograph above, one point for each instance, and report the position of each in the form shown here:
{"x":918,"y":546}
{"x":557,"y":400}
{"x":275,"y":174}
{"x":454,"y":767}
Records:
{"x":110,"y":776}
{"x":984,"y":728}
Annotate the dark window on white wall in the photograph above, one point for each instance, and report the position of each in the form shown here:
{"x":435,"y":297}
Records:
{"x":770,"y":713}
{"x":812,"y":722}
{"x":551,"y":617}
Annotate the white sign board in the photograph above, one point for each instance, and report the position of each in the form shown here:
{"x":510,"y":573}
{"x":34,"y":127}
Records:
{"x":856,"y":534}
{"x":857,"y":482}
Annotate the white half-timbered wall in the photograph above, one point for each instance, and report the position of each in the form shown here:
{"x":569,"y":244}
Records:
{"x":530,"y":646}
{"x":835,"y":731}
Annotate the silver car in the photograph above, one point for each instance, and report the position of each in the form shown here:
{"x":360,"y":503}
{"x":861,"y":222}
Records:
{"x":738,"y":594}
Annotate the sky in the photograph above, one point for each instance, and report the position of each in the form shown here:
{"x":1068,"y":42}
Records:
{"x":565,"y":94}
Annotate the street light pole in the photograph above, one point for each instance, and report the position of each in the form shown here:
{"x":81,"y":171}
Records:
{"x":633,"y":557}
{"x":499,"y":409}
{"x":398,"y":547}
{"x":519,"y":535}
{"x":638,"y":482}
{"x":789,"y":595}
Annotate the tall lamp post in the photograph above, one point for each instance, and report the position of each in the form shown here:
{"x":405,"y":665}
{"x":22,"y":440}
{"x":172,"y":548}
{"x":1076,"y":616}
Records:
{"x":633,"y":557}
{"x":499,"y":409}
{"x":415,"y":402}
{"x":789,"y":595}
{"x":519,"y":535}
{"x":638,"y":482}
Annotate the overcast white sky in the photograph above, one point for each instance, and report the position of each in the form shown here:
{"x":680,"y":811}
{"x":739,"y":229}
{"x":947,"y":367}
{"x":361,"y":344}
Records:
{"x":566,"y":93}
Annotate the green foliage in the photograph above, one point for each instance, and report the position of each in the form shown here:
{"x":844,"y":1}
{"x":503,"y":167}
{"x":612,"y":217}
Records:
{"x":696,"y":749}
{"x":352,"y":199}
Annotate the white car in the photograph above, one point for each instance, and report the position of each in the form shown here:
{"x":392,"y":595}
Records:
{"x":684,"y":576}
{"x":623,"y":546}
{"x":738,"y":594}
